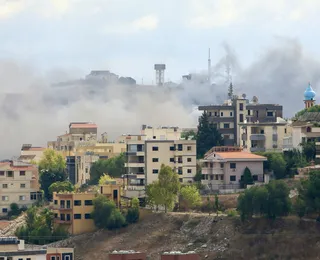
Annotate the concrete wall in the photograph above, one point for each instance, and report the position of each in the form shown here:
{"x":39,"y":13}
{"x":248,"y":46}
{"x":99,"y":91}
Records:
{"x":256,"y":168}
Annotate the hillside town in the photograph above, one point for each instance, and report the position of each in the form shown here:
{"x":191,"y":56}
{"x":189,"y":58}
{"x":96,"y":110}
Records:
{"x":243,"y":160}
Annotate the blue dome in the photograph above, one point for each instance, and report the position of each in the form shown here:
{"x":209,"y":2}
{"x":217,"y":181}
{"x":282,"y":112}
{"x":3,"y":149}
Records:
{"x":309,"y":94}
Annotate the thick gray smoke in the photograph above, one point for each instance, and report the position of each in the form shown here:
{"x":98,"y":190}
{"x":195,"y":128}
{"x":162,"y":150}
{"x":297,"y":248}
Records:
{"x":33,"y":111}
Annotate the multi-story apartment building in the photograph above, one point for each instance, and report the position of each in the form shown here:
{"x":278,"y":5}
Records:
{"x":12,"y":248}
{"x":223,"y":166}
{"x":19,"y":184}
{"x":262,"y":137}
{"x":31,"y":153}
{"x":73,"y":210}
{"x":146,"y":154}
{"x":227,"y":117}
{"x":78,"y":132}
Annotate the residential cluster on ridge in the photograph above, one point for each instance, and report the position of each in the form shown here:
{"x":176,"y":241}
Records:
{"x":248,"y":128}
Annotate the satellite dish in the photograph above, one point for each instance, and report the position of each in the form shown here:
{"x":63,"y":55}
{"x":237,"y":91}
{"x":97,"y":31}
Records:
{"x":244,"y":96}
{"x":255,"y":99}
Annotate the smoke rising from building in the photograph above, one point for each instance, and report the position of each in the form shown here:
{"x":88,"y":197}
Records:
{"x":34,"y":111}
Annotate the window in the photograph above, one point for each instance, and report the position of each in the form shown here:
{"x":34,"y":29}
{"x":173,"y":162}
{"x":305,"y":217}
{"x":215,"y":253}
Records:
{"x":155,"y":159}
{"x":189,"y":170}
{"x":285,"y":130}
{"x":221,"y":165}
{"x":189,"y":159}
{"x":77,"y":202}
{"x":155,"y":148}
{"x":233,"y":165}
{"x":55,"y":202}
{"x":180,"y":147}
{"x":171,"y":159}
{"x":10,"y":174}
{"x":189,"y":148}
{"x":5,"y":186}
{"x":22,"y":185}
{"x":88,"y":202}
{"x":55,"y":215}
{"x":62,"y":204}
{"x":172,"y":148}
{"x":269,"y":113}
{"x":221,"y":113}
{"x":210,"y":114}
{"x":226,"y":125}
{"x":249,"y":112}
{"x":67,"y":257}
{"x":241,"y":107}
{"x":22,"y":173}
{"x":180,"y":170}
{"x":154,"y":137}
{"x":77,"y":216}
{"x":5,"y":198}
{"x":180,"y":159}
{"x":53,"y":258}
{"x":87,"y":216}
{"x":28,"y":259}
{"x":1,"y":173}
{"x":63,"y":217}
{"x":68,"y":217}
{"x":241,"y":118}
{"x":231,"y":114}
{"x":215,"y":113}
{"x":180,"y":179}
{"x":255,"y":177}
{"x":33,"y":196}
{"x":22,"y":198}
{"x":68,"y":204}
{"x":4,"y":210}
{"x":87,"y":170}
{"x":155,"y":171}
{"x":232,"y":178}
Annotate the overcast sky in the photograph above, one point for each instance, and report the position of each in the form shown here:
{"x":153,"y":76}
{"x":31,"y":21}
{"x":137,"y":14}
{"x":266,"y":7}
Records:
{"x":129,"y":36}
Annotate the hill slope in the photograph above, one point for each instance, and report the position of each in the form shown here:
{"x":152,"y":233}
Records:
{"x":213,"y":238}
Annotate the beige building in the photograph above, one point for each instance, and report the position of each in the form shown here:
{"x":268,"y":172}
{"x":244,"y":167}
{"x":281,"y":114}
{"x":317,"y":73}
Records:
{"x":146,"y":154}
{"x":31,"y":153}
{"x":19,"y":184}
{"x":12,"y":248}
{"x":73,"y":210}
{"x":226,"y":165}
{"x":262,"y":137}
{"x":228,"y":116}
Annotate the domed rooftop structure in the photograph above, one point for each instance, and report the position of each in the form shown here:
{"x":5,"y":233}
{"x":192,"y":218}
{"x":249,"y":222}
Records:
{"x":309,"y":94}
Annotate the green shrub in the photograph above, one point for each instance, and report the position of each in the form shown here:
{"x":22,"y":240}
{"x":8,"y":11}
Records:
{"x":116,"y":220}
{"x":231,"y":212}
{"x":132,"y":215}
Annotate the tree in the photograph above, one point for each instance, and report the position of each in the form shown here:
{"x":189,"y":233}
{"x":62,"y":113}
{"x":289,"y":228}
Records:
{"x":52,"y":169}
{"x":198,"y":176}
{"x":153,"y":195}
{"x":300,"y":207}
{"x":271,"y":200}
{"x":61,"y":186}
{"x":191,"y":196}
{"x":247,"y":178}
{"x":164,"y":191}
{"x":14,"y":210}
{"x":309,"y":150}
{"x":189,"y":134}
{"x":275,"y":163}
{"x":132,"y":215}
{"x":309,"y":192}
{"x":116,"y":220}
{"x":207,"y":136}
{"x":102,"y":210}
{"x":216,"y":204}
{"x":135,"y":203}
{"x":105,"y":178}
{"x":230,"y":91}
{"x":114,"y":167}
{"x":294,"y":160}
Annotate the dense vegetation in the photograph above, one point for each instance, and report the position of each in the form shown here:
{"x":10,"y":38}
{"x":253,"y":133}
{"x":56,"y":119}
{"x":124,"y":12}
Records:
{"x":114,"y":167}
{"x":315,"y":108}
{"x":107,"y":216}
{"x":271,"y":200}
{"x":39,"y":227}
{"x":52,"y":169}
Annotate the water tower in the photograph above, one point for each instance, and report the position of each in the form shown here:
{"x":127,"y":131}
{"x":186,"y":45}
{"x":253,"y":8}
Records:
{"x":159,"y":68}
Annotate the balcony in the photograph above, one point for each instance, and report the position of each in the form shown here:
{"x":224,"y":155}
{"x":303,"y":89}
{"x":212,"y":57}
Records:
{"x":214,"y":171}
{"x":257,"y":137}
{"x":257,"y":149}
{"x":134,"y":164}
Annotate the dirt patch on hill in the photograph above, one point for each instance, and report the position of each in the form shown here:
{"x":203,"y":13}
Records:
{"x":212,"y":237}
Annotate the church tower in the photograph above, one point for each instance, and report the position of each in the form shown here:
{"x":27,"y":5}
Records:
{"x":309,"y":96}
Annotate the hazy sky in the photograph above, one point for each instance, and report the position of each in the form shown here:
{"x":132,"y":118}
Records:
{"x":129,"y":36}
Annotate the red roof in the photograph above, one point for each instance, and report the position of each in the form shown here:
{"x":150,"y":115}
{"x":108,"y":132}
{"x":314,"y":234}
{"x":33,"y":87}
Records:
{"x":83,"y":125}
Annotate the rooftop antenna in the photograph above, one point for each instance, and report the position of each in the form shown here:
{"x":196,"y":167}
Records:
{"x":228,"y":71}
{"x":209,"y":68}
{"x":159,"y":68}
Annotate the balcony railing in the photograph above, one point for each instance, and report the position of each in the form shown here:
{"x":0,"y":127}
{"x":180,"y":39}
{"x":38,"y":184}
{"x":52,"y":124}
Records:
{"x":257,"y":149}
{"x":214,"y":171}
{"x":257,"y":137}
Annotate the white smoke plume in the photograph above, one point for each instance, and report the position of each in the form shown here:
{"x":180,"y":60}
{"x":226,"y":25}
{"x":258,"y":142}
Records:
{"x":33,"y":111}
